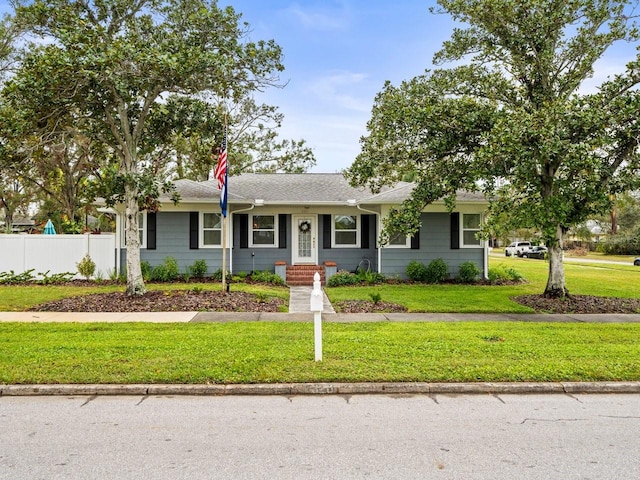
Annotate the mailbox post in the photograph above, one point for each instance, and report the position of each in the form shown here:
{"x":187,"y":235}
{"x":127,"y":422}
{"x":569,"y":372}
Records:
{"x":317,"y":305}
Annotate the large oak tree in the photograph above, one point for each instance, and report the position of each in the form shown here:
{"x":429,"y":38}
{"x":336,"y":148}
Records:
{"x":508,"y":118}
{"x":114,"y":60}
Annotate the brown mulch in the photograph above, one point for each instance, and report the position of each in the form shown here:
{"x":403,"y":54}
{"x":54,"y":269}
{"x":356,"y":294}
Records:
{"x":579,"y":304}
{"x":366,"y":306}
{"x":169,"y":301}
{"x":188,"y":300}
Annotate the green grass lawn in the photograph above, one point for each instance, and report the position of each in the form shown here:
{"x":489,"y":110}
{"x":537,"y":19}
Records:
{"x":357,"y":352}
{"x":283,"y":352}
{"x":582,"y":279}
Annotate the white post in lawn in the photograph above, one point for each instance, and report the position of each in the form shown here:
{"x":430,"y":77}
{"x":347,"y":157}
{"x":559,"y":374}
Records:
{"x":317,"y":305}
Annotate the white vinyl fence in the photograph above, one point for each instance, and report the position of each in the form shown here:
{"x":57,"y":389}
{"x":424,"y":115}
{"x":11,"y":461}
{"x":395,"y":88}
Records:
{"x":56,"y":253}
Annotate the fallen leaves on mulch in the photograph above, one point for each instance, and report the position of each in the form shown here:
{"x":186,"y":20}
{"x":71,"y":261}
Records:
{"x":579,"y":304}
{"x":164,"y":301}
{"x":366,"y":306}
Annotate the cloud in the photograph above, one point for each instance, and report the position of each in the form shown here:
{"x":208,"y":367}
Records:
{"x":320,"y":19}
{"x":343,"y":90}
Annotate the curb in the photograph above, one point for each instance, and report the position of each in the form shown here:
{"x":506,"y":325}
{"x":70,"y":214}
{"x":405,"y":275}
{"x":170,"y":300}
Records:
{"x":288,"y":389}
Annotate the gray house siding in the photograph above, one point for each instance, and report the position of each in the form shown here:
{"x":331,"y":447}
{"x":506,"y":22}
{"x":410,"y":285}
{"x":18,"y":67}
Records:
{"x":434,"y":242}
{"x":249,"y":259}
{"x":349,"y":258}
{"x":172,"y":232}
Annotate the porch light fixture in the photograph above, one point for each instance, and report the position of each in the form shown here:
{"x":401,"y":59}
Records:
{"x":259,"y":202}
{"x":351,"y":202}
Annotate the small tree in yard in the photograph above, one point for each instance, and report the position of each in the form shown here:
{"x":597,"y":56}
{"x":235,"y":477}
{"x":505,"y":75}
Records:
{"x":113,"y":61}
{"x":509,"y":120}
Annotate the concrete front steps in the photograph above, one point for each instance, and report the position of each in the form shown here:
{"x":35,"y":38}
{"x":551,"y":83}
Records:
{"x":302,"y":275}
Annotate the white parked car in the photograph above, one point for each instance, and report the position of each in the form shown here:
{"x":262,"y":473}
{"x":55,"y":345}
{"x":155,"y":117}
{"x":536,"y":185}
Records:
{"x":517,"y":248}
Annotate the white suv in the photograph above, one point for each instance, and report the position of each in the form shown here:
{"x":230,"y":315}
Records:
{"x":517,"y":248}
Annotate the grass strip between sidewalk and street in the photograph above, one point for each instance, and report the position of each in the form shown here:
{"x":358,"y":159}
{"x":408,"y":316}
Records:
{"x":33,"y":353}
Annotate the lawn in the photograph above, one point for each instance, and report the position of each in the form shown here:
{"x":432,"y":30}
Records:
{"x":607,"y":280}
{"x":283,"y":352}
{"x":358,"y":352}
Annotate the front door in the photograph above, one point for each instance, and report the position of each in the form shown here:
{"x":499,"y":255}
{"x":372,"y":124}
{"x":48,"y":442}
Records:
{"x":305,"y":239}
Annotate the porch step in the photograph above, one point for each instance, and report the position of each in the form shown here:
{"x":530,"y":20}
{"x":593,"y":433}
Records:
{"x":302,"y":275}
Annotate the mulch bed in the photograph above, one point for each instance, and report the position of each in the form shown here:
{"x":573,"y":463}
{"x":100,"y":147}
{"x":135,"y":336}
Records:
{"x":579,"y":304}
{"x":188,"y":300}
{"x":167,"y":301}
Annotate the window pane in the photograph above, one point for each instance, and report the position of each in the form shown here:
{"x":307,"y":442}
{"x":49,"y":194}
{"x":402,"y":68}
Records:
{"x":471,"y":221}
{"x":469,"y":238}
{"x":211,"y":220}
{"x":345,"y":238}
{"x":263,"y":238}
{"x":212,"y":237}
{"x":398,"y":239}
{"x":264,"y":222}
{"x":346,"y":222}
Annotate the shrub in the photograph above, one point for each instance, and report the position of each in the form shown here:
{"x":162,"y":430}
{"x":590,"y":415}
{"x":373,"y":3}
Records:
{"x":12,"y":278}
{"x":86,"y":267}
{"x":199,"y":268}
{"x":145,"y":268}
{"x":343,"y":278}
{"x":416,"y":271}
{"x":468,"y":272}
{"x":437,"y":271}
{"x":266,"y":277}
{"x":167,"y":272}
{"x":376,"y":297}
{"x":371,"y":277}
{"x":500,"y":275}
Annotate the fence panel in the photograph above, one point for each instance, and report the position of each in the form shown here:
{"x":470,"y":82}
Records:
{"x":56,"y":253}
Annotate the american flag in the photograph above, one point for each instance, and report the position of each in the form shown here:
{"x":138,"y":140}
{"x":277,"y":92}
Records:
{"x":220,"y":172}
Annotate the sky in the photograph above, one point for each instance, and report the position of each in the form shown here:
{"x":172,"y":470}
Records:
{"x":338,"y":54}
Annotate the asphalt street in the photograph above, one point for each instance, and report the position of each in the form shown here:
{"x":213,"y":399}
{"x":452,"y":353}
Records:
{"x":321,"y":437}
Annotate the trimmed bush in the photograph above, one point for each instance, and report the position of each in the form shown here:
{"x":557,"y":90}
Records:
{"x":437,"y":271}
{"x":468,"y":272}
{"x":416,"y":271}
{"x":86,"y":267}
{"x":167,"y":272}
{"x":267,"y":277}
{"x":500,"y":275}
{"x":199,"y":269}
{"x":343,"y":278}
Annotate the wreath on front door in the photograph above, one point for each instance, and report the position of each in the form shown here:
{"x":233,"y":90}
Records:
{"x":304,"y":226}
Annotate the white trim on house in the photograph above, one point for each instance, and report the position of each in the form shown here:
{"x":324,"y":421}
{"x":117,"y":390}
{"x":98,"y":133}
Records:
{"x":253,"y":230}
{"x":357,"y":230}
{"x":481,"y":242}
{"x":202,"y":229}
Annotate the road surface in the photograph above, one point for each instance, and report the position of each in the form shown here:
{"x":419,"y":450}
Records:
{"x":325,"y":437}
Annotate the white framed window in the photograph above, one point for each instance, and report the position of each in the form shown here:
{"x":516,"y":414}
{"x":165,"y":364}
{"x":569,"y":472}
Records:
{"x":264,"y":230}
{"x":471,"y":223}
{"x":399,"y":240}
{"x":142,"y":229}
{"x":346,"y":231}
{"x":210,"y":230}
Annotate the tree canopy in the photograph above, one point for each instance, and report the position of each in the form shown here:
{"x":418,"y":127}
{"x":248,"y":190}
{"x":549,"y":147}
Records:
{"x":509,"y":118}
{"x":113,"y":61}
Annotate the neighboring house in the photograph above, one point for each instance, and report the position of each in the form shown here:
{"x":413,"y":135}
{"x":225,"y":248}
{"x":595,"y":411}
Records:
{"x":288,"y":222}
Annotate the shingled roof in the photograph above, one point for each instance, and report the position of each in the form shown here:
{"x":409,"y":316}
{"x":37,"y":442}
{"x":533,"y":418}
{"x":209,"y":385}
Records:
{"x":297,"y":188}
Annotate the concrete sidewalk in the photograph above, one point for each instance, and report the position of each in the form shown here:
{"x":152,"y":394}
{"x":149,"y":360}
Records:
{"x":184,"y":317}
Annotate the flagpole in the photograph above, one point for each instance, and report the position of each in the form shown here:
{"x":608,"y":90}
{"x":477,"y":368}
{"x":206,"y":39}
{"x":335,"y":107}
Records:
{"x":221,"y":175}
{"x":224,"y":216}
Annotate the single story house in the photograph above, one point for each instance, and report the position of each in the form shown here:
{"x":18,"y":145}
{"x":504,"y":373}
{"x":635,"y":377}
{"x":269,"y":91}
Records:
{"x":293,"y":223}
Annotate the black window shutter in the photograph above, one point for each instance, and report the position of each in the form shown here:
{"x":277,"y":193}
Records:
{"x":364,"y":232}
{"x":194,"y":219}
{"x":282,"y":230}
{"x":326,"y":232}
{"x":151,"y":231}
{"x":455,"y":231}
{"x":244,"y":230}
{"x":415,"y":240}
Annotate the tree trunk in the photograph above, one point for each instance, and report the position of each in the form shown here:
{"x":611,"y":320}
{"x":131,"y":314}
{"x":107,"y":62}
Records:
{"x":135,"y":282}
{"x":556,"y":285}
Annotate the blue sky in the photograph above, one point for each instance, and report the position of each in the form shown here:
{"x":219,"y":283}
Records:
{"x":337,"y":56}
